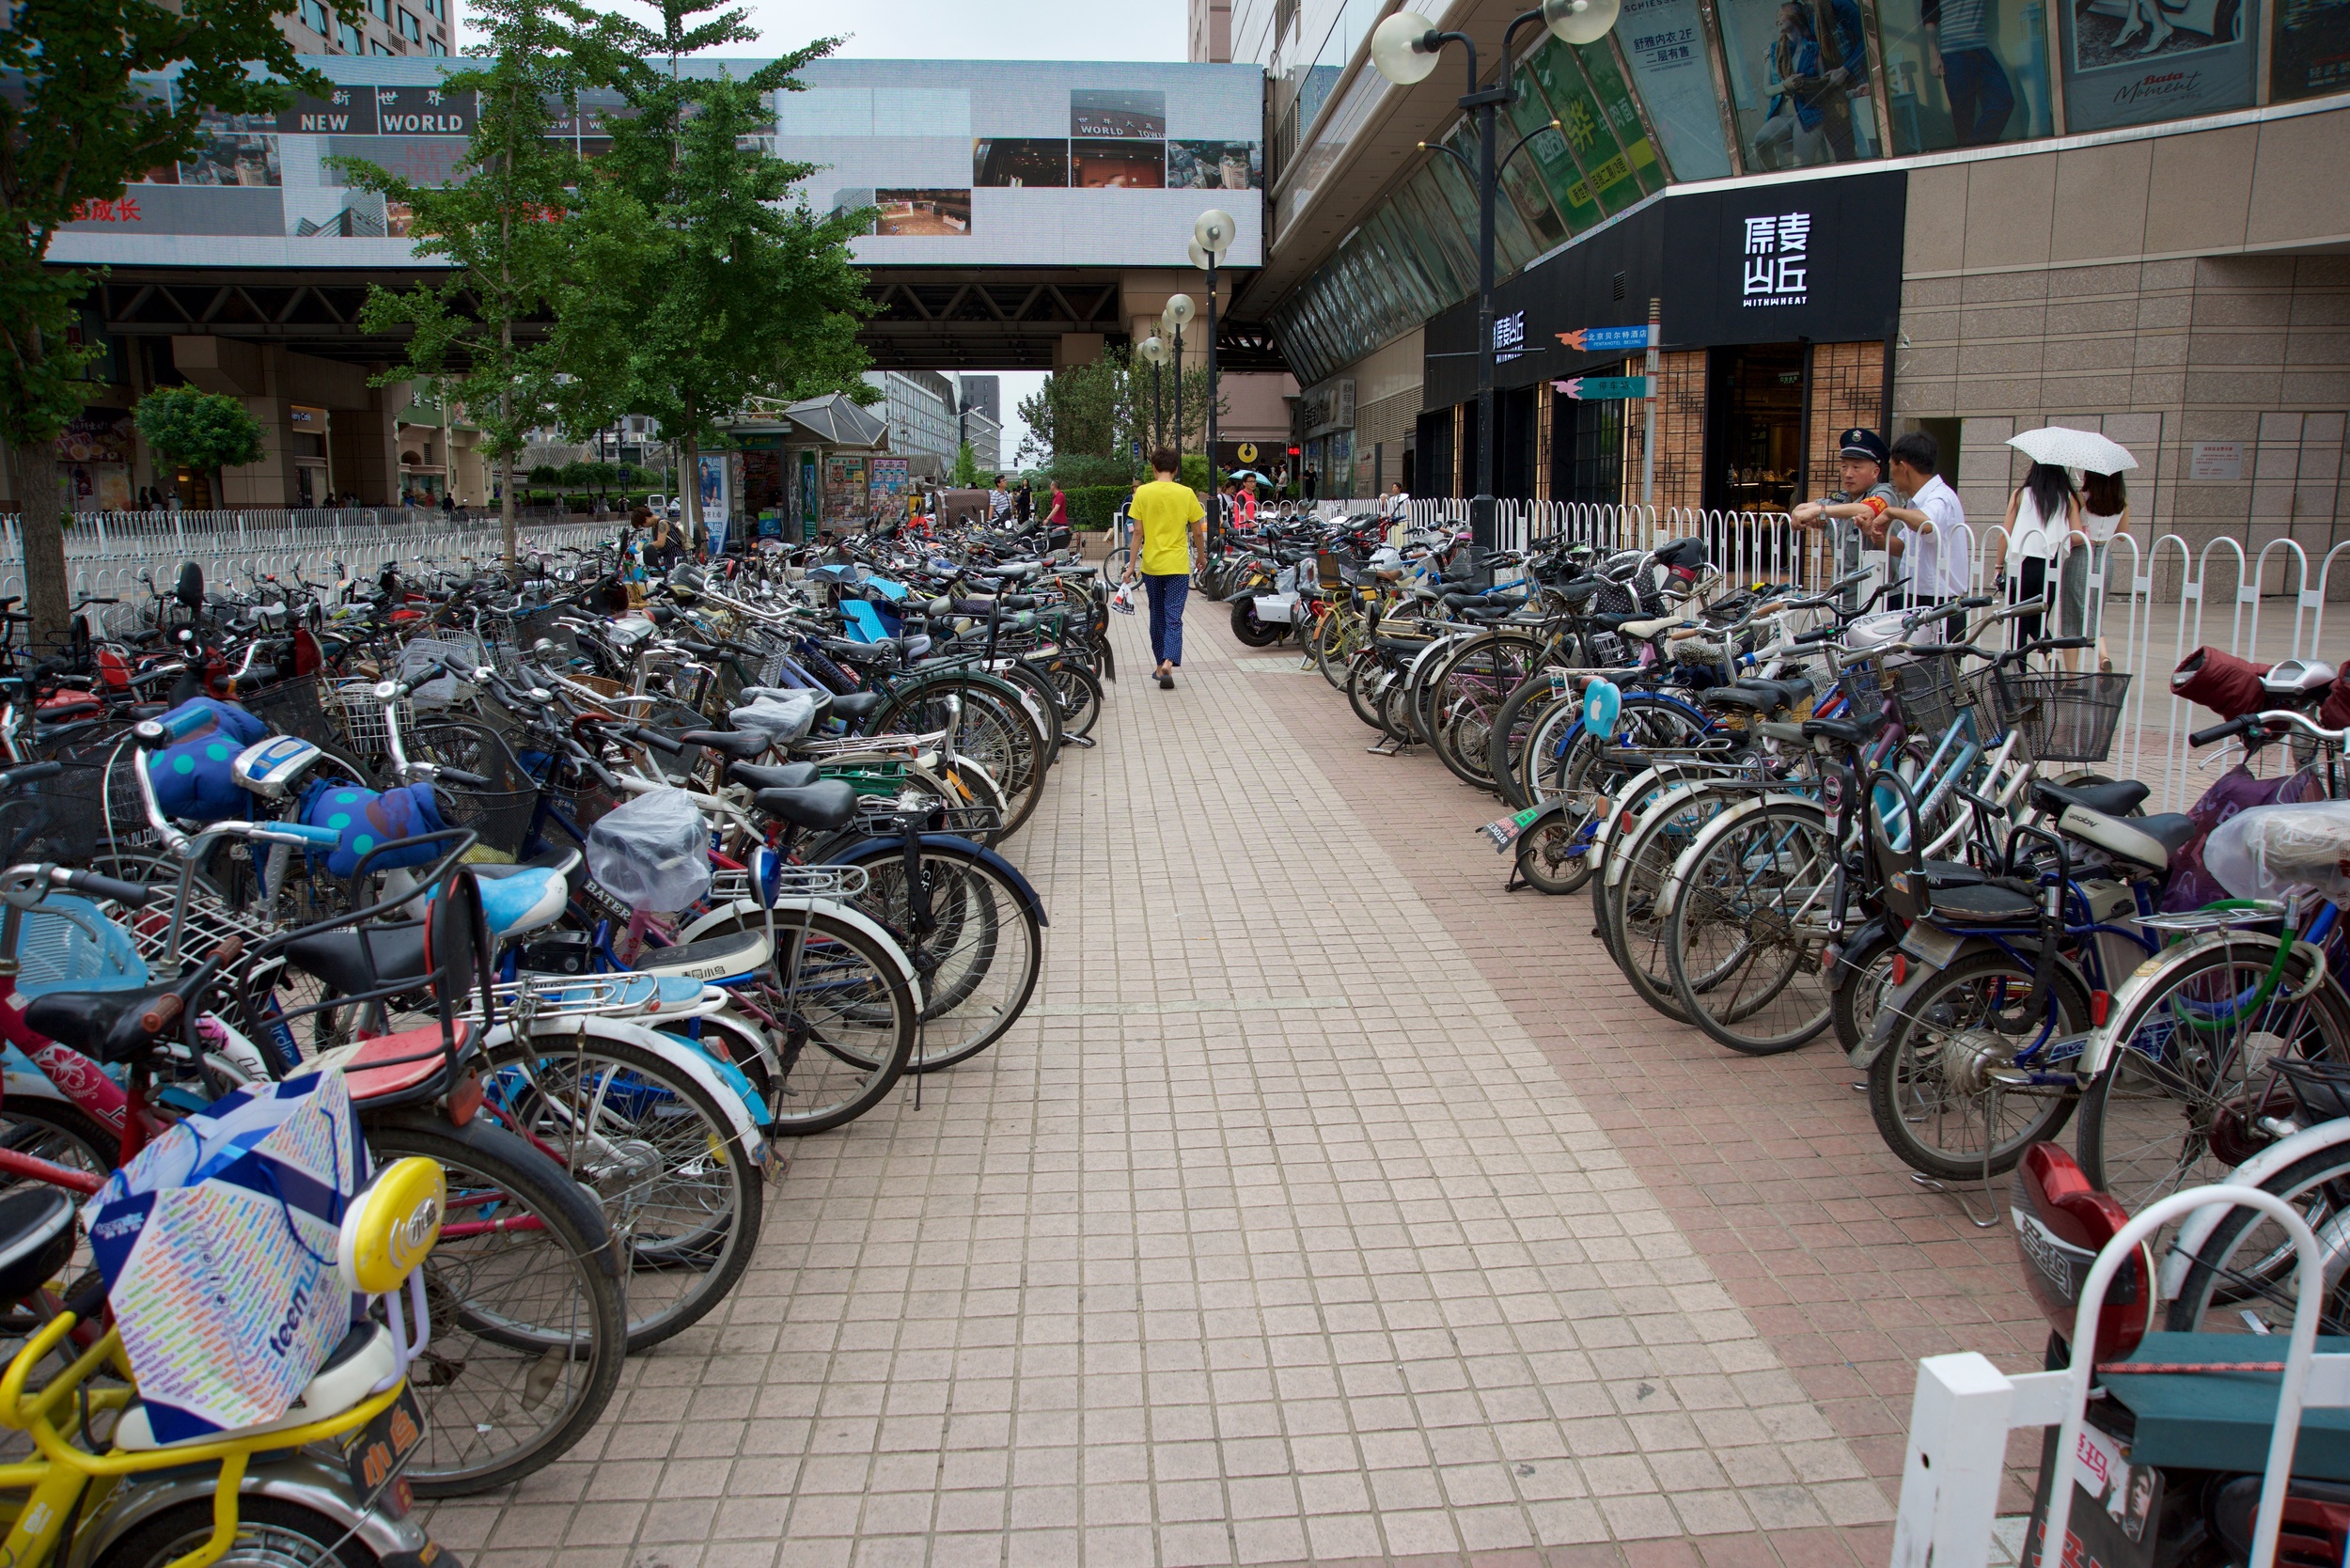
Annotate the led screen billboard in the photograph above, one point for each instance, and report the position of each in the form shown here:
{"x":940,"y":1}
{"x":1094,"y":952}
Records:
{"x":1051,"y":164}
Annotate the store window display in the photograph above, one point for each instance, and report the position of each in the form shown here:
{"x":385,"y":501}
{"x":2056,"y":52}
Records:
{"x":1965,"y":72}
{"x":1799,"y":80}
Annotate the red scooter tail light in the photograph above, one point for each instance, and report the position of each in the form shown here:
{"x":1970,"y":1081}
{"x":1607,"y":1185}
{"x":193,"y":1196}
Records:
{"x":2061,"y":1224}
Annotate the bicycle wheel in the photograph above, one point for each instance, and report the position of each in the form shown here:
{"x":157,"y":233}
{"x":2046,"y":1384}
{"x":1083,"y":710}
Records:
{"x":1867,"y":965}
{"x":2243,"y":1273}
{"x":993,"y":723}
{"x":1932,"y":1089}
{"x":269,"y":1534}
{"x":2161,"y":1116}
{"x":1512,"y":728}
{"x":1636,"y":874}
{"x":528,"y":1328}
{"x":979,"y":961}
{"x":1747,"y":926}
{"x":679,"y":1188}
{"x":1554,"y":856}
{"x":1466,"y":693}
{"x":1362,"y":694}
{"x":843,"y":1017}
{"x":1337,"y":638}
{"x":1080,"y":694}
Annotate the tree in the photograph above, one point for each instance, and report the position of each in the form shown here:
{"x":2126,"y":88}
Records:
{"x":691,"y":270}
{"x":501,"y":228}
{"x":204,"y":431}
{"x":966,"y":475}
{"x":544,"y":475}
{"x":85,"y":111}
{"x":1104,"y":410}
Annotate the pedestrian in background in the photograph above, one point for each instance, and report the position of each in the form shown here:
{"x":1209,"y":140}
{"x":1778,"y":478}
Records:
{"x":2104,"y":513}
{"x":1851,"y":515}
{"x":1024,"y":502}
{"x":1933,"y":540}
{"x":1057,"y":511}
{"x":1171,"y":524}
{"x":2041,"y":514}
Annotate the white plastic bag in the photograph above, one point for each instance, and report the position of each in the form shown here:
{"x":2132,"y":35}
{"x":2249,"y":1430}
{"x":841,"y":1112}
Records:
{"x":781,"y":715}
{"x":2260,"y":852}
{"x":1123,"y":600}
{"x":652,"y":852}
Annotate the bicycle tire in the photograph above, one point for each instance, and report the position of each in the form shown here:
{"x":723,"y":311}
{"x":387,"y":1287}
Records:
{"x":269,"y":1531}
{"x":994,"y":727}
{"x":1080,"y":691}
{"x":1867,"y":975}
{"x":1950,"y":1073}
{"x":1541,"y":859}
{"x":2138,"y":1105}
{"x":1521,"y":714}
{"x":525,"y":1361}
{"x":2218,"y":1275}
{"x":1772,"y":948}
{"x":991,"y":934}
{"x":1360,"y":680}
{"x":703,"y":1229}
{"x":1636,"y":874}
{"x":857,"y":975}
{"x":1458,"y":685}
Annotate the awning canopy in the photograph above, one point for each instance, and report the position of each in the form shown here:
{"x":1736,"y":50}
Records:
{"x":835,"y":418}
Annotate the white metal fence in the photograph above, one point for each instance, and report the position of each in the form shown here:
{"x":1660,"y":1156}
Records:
{"x":2152,"y":603}
{"x":122,"y":554}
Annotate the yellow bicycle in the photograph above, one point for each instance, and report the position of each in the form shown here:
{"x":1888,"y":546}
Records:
{"x":319,"y":1485}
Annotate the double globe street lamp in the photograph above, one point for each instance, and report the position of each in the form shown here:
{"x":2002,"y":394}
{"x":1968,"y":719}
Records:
{"x":1403,"y":49}
{"x":1210,"y":237}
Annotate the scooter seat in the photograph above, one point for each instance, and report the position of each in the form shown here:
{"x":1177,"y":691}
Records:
{"x":88,"y":1020}
{"x":858,"y":705}
{"x":789,"y":776}
{"x":1983,"y":903}
{"x":2148,"y":841}
{"x":2116,"y":799}
{"x":355,"y":961}
{"x":353,"y":1370}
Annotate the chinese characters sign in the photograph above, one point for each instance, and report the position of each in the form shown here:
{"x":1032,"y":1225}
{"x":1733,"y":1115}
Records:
{"x":1778,"y":259}
{"x":1508,"y":336}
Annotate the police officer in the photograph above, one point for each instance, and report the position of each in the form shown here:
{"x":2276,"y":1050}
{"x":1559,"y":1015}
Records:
{"x":1853,"y":516}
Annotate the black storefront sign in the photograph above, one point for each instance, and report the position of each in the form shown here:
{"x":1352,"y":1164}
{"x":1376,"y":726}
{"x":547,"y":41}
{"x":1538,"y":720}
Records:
{"x":1818,"y":260}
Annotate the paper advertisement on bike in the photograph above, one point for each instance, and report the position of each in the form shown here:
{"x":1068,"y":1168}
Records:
{"x":218,"y":1249}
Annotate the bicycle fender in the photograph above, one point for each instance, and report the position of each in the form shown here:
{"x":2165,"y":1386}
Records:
{"x":684,"y":1054}
{"x":1605,"y":828}
{"x":1668,"y":892}
{"x":749,"y":909}
{"x":1666,"y":800}
{"x":2138,"y":989}
{"x":1840,"y":974}
{"x":578,"y":1203}
{"x":1897,"y":1006}
{"x":2251,"y":1173}
{"x":294,"y":1478}
{"x":866,"y":850}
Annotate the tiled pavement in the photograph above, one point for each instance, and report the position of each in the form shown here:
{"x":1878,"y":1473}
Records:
{"x":1330,"y":1206}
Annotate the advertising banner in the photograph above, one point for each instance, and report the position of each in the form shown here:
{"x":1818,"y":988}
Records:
{"x":2133,"y":62}
{"x":888,"y":486}
{"x":844,"y":490}
{"x":2311,"y":52}
{"x":811,"y":495}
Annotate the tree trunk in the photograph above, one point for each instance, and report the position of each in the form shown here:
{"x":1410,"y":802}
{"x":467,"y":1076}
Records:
{"x":47,"y":597}
{"x":693,"y":487}
{"x":505,"y":507}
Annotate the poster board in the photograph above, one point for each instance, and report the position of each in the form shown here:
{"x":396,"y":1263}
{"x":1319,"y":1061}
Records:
{"x":889,"y":482}
{"x":844,"y":490}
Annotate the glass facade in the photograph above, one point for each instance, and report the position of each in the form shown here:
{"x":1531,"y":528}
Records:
{"x":1681,"y":91}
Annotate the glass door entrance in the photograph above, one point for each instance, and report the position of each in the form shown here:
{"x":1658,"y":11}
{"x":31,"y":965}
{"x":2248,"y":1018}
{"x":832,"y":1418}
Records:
{"x":1754,"y":427}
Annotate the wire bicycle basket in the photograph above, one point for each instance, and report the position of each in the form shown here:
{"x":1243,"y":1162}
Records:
{"x":2061,"y":716}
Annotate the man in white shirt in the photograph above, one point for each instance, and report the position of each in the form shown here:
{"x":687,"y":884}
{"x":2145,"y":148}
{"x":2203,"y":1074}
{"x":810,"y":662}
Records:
{"x":1934,"y":543}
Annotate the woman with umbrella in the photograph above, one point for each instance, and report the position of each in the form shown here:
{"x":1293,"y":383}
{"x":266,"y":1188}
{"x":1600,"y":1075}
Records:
{"x":2079,"y":542}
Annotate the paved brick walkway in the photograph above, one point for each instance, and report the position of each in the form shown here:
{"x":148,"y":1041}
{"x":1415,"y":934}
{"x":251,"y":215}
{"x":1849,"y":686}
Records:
{"x":1331,"y":1206}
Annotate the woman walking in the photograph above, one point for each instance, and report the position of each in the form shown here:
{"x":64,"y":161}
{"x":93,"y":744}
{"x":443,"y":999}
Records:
{"x":1171,"y":524}
{"x":2105,"y":512}
{"x":2042,"y":515}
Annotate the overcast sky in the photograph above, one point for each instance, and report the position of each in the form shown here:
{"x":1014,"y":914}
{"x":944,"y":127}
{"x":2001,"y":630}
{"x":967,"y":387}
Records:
{"x":945,"y":29}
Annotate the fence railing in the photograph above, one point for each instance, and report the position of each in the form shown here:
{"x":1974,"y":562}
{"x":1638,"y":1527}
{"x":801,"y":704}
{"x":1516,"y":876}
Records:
{"x":121,"y":555}
{"x":2150,"y":604}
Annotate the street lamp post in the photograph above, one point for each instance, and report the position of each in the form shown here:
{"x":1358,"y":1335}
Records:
{"x":1211,"y":236}
{"x":1177,"y":316}
{"x":1154,"y":352}
{"x":1403,"y":48}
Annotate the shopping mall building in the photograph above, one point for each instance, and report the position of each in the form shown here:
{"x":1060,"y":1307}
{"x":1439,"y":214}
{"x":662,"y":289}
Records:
{"x":1964,"y":216}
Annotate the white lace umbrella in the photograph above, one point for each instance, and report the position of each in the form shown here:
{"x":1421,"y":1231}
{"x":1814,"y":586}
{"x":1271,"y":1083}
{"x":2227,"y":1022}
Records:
{"x":2086,"y":450}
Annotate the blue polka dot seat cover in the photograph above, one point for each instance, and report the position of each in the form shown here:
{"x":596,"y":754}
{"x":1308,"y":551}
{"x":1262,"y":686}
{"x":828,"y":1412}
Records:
{"x":192,"y":778}
{"x":366,"y":819}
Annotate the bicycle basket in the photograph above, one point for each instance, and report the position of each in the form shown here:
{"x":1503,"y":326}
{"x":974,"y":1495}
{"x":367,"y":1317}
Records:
{"x":498,"y":812}
{"x":2061,"y":716}
{"x":1862,"y":682}
{"x":1933,"y":693}
{"x":2320,"y":1089}
{"x":291,"y":708}
{"x":90,"y":811}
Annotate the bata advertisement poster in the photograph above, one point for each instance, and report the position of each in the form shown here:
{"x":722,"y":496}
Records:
{"x":2133,"y":62}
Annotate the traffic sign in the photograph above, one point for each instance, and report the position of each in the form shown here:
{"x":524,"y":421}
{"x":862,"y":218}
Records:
{"x":1600,"y":388}
{"x":1609,"y":340}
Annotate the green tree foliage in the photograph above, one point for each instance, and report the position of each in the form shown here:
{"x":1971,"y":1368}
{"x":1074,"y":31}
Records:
{"x":546,"y":475}
{"x":85,"y":111}
{"x":699,"y":284}
{"x":966,"y":475}
{"x":500,"y":225}
{"x":204,"y":431}
{"x":1106,"y":410}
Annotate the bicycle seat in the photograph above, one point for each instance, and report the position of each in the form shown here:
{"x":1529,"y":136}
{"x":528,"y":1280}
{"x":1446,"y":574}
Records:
{"x":569,"y":864}
{"x":735,"y":955}
{"x":360,"y":958}
{"x":523,"y":900}
{"x":741,"y":744}
{"x":1984,"y":902}
{"x":2148,"y":841}
{"x":363,"y":1359}
{"x":828,"y":803}
{"x":1852,"y":732}
{"x":858,"y":705}
{"x":1739,"y":700}
{"x":790,"y":776}
{"x":1649,"y":628}
{"x":102,"y":1025}
{"x":2117,"y":799}
{"x":36,"y":1238}
{"x":1783,"y":692}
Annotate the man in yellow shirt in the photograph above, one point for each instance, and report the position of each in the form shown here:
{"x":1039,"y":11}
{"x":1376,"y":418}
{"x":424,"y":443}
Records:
{"x":1172,"y":522}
